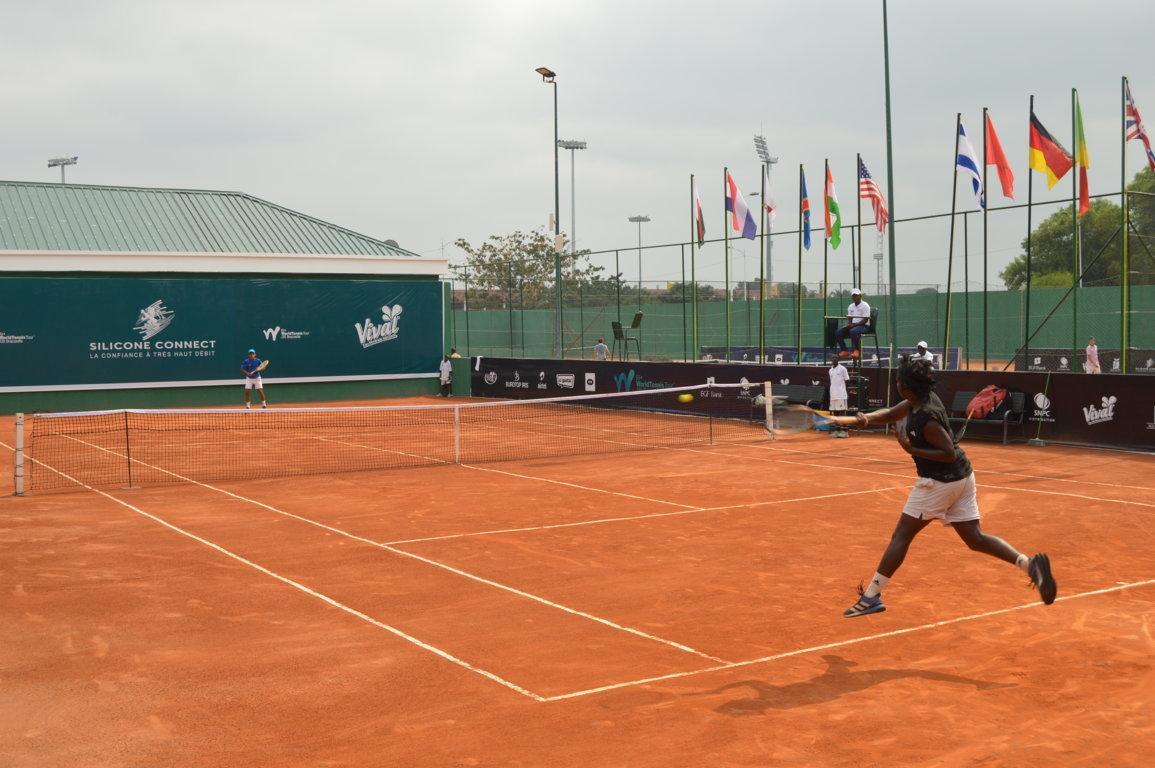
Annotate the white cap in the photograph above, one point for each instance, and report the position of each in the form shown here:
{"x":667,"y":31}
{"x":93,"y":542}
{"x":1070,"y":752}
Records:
{"x":856,"y":292}
{"x":922,"y":344}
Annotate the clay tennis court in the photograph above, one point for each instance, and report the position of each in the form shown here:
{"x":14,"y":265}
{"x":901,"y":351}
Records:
{"x":678,"y":606}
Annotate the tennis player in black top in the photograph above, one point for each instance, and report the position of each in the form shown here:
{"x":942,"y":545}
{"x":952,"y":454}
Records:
{"x":945,"y":489}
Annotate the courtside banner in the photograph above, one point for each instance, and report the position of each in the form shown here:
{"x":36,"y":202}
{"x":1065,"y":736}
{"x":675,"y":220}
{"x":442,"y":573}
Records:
{"x":91,"y":332}
{"x":1110,"y":411}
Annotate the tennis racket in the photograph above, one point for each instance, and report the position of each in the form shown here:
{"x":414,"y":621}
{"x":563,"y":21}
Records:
{"x":786,"y":419}
{"x":264,"y":364}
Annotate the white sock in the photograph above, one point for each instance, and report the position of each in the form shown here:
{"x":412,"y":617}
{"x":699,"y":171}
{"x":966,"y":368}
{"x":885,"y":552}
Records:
{"x":874,"y":588}
{"x":1023,"y":563}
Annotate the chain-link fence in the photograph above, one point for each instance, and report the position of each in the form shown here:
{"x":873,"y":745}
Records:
{"x":692,"y":312}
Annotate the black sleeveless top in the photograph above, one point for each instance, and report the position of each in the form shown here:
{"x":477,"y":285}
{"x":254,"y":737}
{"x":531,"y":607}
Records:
{"x":932,"y":410}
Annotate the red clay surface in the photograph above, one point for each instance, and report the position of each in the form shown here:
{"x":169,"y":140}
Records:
{"x":672,"y":607}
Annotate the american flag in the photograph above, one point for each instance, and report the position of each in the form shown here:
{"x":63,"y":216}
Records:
{"x":1135,"y":129}
{"x":868,"y":190}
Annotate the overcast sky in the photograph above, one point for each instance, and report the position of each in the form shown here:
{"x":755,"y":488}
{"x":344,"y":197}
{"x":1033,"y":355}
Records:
{"x":425,"y":122}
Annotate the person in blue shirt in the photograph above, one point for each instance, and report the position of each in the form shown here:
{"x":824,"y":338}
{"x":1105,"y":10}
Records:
{"x":250,"y":367}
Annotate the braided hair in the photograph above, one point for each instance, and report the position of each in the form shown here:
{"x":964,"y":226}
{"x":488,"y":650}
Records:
{"x":917,"y":376}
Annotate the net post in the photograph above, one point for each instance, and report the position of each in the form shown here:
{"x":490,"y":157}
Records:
{"x":127,"y":450}
{"x":18,"y":466}
{"x":457,"y":434}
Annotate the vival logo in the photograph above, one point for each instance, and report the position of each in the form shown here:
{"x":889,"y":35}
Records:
{"x":1104,"y":413}
{"x":153,"y":319}
{"x":591,"y":382}
{"x":370,"y":334}
{"x":566,"y":380}
{"x":491,"y":377}
{"x":1042,"y":408}
{"x":273,"y":334}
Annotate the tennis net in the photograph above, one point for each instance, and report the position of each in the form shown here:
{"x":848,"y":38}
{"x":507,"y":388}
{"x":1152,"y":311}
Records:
{"x":126,"y":448}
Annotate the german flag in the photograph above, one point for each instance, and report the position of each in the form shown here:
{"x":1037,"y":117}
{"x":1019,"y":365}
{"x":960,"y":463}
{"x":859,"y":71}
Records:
{"x":1047,"y":156}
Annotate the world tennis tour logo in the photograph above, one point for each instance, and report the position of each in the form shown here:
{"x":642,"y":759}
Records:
{"x":370,"y":333}
{"x":153,"y":319}
{"x":1101,"y":414}
{"x":284,"y":334}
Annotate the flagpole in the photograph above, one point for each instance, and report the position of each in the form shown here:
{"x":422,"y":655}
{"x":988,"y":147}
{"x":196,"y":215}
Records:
{"x":682,"y":262}
{"x":762,"y":273}
{"x":1125,"y":271}
{"x":798,"y":290}
{"x":726,"y":235}
{"x":1027,"y":297}
{"x":967,"y":285}
{"x":890,"y":196}
{"x":693,"y":271}
{"x":857,"y":273}
{"x":825,"y":251}
{"x":950,"y":247}
{"x":1075,"y":271}
{"x":985,"y":192}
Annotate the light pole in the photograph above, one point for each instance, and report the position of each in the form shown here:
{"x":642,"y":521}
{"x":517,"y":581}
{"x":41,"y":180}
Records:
{"x":549,"y":77}
{"x":571,"y":145}
{"x":764,"y":156}
{"x":639,"y":220}
{"x":61,"y":162}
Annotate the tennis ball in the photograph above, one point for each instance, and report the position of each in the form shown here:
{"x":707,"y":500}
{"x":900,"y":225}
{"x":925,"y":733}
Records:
{"x":685,"y":397}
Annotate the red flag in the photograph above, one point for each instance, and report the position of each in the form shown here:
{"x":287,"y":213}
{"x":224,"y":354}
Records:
{"x":998,"y":158}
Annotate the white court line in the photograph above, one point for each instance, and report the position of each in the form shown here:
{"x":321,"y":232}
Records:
{"x":686,"y":507}
{"x":297,"y":585}
{"x":630,"y":518}
{"x":839,"y":643}
{"x":847,"y":468}
{"x":411,"y":555}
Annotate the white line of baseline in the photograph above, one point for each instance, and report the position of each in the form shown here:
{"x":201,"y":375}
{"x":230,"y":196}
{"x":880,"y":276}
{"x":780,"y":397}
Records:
{"x":630,"y":518}
{"x":427,"y":561}
{"x":840,"y":643}
{"x":845,"y":468}
{"x":297,"y":585}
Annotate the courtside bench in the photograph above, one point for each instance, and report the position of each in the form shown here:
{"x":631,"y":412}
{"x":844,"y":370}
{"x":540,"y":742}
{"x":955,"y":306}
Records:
{"x":1010,"y":411}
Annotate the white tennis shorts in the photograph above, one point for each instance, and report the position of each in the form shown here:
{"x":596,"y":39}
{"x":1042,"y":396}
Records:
{"x":954,"y":502}
{"x":838,"y":405}
{"x":253,"y":383}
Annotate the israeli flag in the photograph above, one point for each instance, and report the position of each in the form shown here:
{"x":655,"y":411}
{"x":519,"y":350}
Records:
{"x":967,"y":162}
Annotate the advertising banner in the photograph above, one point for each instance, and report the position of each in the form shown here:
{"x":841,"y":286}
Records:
{"x":1105,"y":410}
{"x":1060,"y":360}
{"x":96,"y":332}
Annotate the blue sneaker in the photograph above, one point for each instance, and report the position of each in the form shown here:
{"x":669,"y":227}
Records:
{"x":865,"y":605}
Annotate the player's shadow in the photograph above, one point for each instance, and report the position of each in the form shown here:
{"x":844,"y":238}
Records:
{"x":837,"y":680}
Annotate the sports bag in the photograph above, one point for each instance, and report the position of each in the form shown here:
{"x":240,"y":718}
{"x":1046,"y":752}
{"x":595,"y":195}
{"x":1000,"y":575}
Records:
{"x":986,"y":401}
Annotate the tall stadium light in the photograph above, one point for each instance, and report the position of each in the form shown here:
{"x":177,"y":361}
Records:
{"x":767,"y":160}
{"x":572,"y":145}
{"x":549,"y":77}
{"x":639,"y":220}
{"x":61,"y":162}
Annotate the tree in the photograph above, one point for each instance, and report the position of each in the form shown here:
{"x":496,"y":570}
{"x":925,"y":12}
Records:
{"x":518,"y":269}
{"x":1051,"y":243}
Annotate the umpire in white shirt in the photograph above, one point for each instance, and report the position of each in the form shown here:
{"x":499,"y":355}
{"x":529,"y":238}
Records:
{"x":857,"y":323}
{"x":922,"y":353}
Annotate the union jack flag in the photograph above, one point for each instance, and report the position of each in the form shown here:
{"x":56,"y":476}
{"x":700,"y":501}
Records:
{"x":868,"y":190}
{"x":1134,"y":127}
